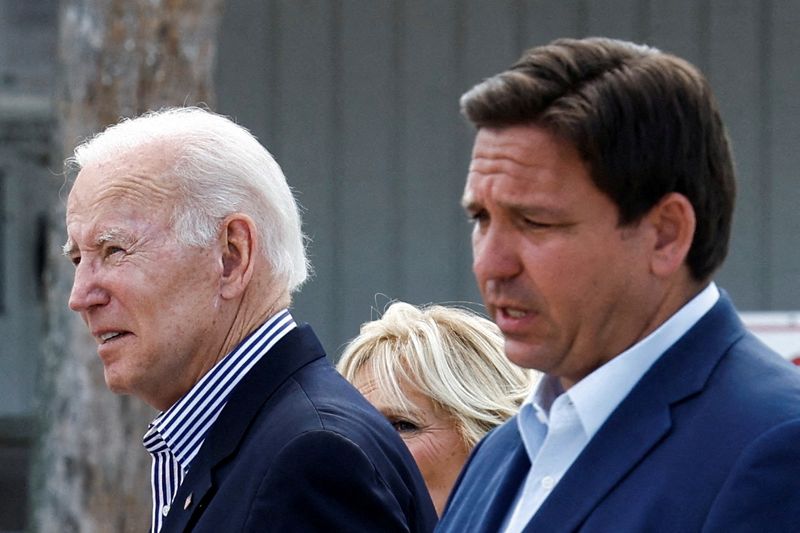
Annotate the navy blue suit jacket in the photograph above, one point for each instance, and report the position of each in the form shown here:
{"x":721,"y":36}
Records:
{"x":708,"y":440}
{"x":297,"y":448}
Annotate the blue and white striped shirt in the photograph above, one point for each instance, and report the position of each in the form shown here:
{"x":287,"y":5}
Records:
{"x":176,"y":435}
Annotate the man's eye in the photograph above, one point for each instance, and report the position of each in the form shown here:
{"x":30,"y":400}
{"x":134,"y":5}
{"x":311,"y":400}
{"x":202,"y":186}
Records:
{"x":536,"y":224}
{"x":404,"y":426}
{"x":75,"y":260}
{"x":111,"y":250}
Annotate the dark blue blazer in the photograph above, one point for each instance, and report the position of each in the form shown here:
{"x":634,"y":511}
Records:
{"x":297,"y":448}
{"x":708,"y":440}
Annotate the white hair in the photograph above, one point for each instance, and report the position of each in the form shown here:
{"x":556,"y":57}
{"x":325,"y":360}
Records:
{"x":221,"y":169}
{"x":452,"y":356}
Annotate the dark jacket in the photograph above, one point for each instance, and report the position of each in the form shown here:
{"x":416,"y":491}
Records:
{"x":297,"y":448}
{"x":707,"y":440}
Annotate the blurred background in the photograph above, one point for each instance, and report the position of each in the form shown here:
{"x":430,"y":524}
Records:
{"x":358,"y":101}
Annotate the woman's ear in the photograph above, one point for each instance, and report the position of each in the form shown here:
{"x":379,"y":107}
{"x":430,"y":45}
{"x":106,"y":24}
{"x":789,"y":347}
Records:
{"x":238,"y":241}
{"x":674,"y":222}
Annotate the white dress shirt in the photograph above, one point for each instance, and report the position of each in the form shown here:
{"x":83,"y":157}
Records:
{"x":556,"y":426}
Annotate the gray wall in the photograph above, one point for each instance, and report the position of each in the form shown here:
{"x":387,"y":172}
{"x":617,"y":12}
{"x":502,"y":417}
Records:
{"x":357,"y":99}
{"x":27,"y":61}
{"x":27,"y":71}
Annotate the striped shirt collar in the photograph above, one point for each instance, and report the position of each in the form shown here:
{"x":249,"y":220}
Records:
{"x":177,"y":434}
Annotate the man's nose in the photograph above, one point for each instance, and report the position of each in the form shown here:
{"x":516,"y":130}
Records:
{"x":87,"y":291}
{"x":495,"y":255}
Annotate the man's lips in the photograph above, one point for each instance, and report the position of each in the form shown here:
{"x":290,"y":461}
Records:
{"x":104,"y":337}
{"x":513,"y":320}
{"x":513,"y":313}
{"x":510,"y":310}
{"x":109,"y":343}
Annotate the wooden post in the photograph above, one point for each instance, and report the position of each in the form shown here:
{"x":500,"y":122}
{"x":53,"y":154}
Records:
{"x":118,"y":58}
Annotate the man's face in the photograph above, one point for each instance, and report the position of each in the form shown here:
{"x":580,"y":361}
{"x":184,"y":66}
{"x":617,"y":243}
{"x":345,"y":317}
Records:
{"x":147,"y":300}
{"x":565,"y":283}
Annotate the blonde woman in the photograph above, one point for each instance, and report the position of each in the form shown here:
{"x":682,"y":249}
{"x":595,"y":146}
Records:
{"x":441,"y":378}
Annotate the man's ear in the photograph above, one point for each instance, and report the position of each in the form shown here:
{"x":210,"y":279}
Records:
{"x":238,"y":243}
{"x":673,"y":220}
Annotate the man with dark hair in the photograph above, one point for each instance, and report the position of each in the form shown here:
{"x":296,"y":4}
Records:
{"x":602,"y":188}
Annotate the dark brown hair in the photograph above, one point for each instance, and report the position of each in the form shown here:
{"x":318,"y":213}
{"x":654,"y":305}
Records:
{"x":645,"y":123}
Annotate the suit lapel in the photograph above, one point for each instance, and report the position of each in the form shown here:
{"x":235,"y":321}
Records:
{"x":640,"y":421}
{"x":189,"y":501}
{"x":502,"y":482}
{"x":613,"y":451}
{"x":298,"y":348}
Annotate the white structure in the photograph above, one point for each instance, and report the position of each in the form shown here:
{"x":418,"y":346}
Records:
{"x":779,"y":330}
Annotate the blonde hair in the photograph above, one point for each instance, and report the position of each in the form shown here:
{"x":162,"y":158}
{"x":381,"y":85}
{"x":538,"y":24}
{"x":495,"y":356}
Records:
{"x":451,"y":355}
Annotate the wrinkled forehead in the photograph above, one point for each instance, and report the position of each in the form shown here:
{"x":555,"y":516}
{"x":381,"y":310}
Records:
{"x":140,"y":177}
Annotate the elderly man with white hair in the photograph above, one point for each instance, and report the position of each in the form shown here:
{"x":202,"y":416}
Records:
{"x":187,"y":247}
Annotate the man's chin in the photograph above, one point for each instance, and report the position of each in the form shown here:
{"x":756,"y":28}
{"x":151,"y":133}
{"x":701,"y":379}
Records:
{"x":524,"y":354}
{"x":115,"y":383}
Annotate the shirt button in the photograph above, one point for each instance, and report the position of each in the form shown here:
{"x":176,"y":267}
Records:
{"x":165,"y":510}
{"x":548,"y":482}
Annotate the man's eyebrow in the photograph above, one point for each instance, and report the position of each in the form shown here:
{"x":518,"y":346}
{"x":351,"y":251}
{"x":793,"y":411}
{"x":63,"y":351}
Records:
{"x":468,"y":202}
{"x":68,"y":248}
{"x":471,"y":205}
{"x":112,"y":234}
{"x":471,"y":208}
